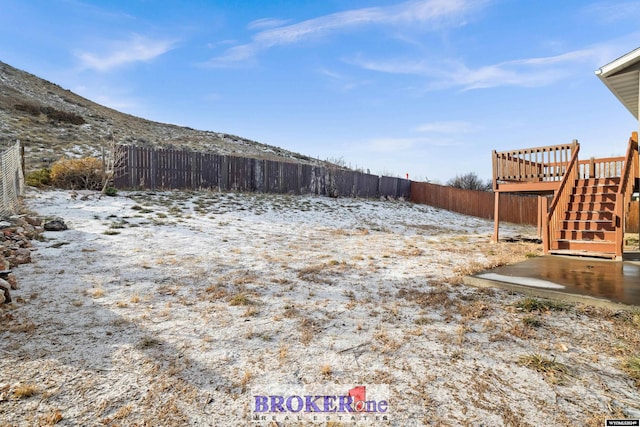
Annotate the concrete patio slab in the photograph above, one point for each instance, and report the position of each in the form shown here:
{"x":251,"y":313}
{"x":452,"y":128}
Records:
{"x":602,"y":283}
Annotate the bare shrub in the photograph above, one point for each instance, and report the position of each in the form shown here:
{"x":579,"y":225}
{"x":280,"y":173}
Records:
{"x":78,"y":174}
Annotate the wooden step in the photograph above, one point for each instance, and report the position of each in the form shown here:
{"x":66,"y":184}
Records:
{"x":591,"y":206}
{"x":593,"y":198}
{"x":567,"y":252}
{"x":593,"y":225}
{"x":585,"y":245}
{"x":597,"y":181}
{"x":586,"y":235}
{"x":587,"y":215}
{"x":596,"y":189}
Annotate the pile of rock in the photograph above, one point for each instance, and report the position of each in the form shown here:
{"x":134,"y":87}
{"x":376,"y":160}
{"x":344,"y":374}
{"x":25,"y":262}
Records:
{"x":15,"y":249}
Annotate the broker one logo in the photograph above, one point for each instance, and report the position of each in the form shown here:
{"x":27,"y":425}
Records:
{"x":355,"y":401}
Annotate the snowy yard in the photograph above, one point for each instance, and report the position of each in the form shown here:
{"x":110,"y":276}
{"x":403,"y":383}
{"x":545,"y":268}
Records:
{"x":172,"y":308}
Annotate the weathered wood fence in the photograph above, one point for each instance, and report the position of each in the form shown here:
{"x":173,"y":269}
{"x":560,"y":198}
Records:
{"x":633,"y":222}
{"x":138,"y":167}
{"x":514,"y":208}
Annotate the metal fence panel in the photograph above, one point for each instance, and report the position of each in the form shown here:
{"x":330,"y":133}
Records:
{"x":11,"y":180}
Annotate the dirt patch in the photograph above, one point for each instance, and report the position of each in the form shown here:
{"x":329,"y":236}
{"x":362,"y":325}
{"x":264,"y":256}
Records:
{"x":202,"y":297}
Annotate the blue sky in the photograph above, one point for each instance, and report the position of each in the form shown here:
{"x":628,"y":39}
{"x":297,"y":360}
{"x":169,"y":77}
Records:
{"x":424,"y":87}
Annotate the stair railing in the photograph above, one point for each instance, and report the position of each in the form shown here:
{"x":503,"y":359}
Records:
{"x":553,"y":219}
{"x":623,"y":195}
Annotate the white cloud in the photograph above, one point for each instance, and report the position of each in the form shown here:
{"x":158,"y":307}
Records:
{"x":259,"y":24}
{"x":528,"y":72}
{"x":136,"y":49}
{"x":428,"y":13}
{"x":343,"y":82}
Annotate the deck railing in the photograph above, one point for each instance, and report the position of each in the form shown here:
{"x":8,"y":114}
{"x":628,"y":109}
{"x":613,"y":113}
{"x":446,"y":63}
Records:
{"x":606,"y":167}
{"x":553,"y":219}
{"x":532,"y":164}
{"x":628,"y":177}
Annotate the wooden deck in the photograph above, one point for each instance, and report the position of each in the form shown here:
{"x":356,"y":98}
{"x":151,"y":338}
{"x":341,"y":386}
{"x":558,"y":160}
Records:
{"x":582,"y":203}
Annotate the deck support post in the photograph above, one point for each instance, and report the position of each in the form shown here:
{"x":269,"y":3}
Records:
{"x":540,"y":213}
{"x":496,"y":216}
{"x":544,"y":223}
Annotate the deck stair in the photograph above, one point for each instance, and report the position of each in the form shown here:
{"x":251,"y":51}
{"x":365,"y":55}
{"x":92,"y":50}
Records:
{"x":589,"y":224}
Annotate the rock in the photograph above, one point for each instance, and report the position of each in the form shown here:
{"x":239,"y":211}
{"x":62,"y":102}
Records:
{"x":13,"y":282}
{"x":20,"y":256}
{"x":55,"y":225}
{"x":34,"y":221}
{"x":4,"y":291}
{"x":5,"y":224}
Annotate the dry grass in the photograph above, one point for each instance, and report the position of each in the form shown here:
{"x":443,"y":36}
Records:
{"x":24,"y":391}
{"x":498,"y":255}
{"x":389,"y":345}
{"x":240,"y":299}
{"x":554,"y":372}
{"x":535,"y":304}
{"x":473,"y":311}
{"x":423,"y":321}
{"x":283,"y":352}
{"x":531,"y":321}
{"x":246,"y":379}
{"x":438,"y":297}
{"x":326,"y":371}
{"x":52,"y":418}
{"x":632,"y":367}
{"x":308,"y":329}
{"x":216,"y":292}
{"x":97,"y":292}
{"x":251,"y":311}
{"x":522,"y":331}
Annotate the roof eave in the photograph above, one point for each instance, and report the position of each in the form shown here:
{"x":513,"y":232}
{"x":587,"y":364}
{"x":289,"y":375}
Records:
{"x":613,"y":90}
{"x":616,"y":68}
{"x":619,"y":64}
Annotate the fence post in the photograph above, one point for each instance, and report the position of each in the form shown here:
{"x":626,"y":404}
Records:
{"x":22,"y":162}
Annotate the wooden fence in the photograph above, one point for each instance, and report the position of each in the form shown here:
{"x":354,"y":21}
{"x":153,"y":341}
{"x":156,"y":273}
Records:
{"x":178,"y":169}
{"x":513,"y":208}
{"x":633,"y":222}
{"x":139,"y":167}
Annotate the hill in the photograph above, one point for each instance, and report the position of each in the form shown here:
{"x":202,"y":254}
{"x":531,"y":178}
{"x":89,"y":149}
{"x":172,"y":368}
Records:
{"x":53,"y":122}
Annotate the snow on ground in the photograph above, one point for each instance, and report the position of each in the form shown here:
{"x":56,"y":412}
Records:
{"x":172,"y":308}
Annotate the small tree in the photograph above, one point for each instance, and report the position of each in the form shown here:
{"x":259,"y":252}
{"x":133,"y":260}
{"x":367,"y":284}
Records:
{"x":114,"y":157}
{"x":470,"y":181}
